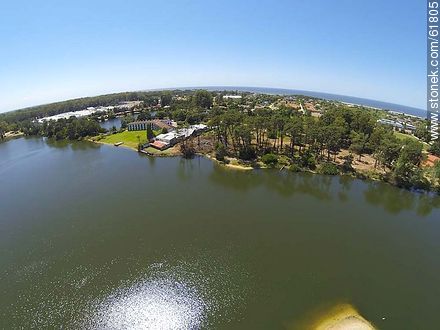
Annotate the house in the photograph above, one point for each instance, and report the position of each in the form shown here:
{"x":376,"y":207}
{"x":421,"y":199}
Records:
{"x":232,"y":97}
{"x":156,"y":124}
{"x":169,"y":138}
{"x":392,"y":123}
{"x":159,"y":145}
{"x":163,"y":141}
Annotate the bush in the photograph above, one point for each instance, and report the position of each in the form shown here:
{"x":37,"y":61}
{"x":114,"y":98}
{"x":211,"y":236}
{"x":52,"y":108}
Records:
{"x":435,"y":148}
{"x":294,"y":168}
{"x":307,"y":160}
{"x":269,"y":159}
{"x":247,"y":153}
{"x":347,"y":166}
{"x":328,"y":169}
{"x":220,"y":152}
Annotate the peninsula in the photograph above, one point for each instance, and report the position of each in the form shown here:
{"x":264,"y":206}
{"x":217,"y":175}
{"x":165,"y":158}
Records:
{"x":248,"y":130}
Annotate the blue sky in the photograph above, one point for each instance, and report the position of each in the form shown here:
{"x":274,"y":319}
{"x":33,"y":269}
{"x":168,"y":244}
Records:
{"x":56,"y":50}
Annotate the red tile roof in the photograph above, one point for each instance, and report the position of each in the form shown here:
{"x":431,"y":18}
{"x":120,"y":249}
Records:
{"x":159,"y":145}
{"x":431,"y":160}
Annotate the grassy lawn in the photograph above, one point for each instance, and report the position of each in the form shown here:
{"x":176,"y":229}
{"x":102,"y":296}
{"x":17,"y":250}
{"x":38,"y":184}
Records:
{"x":402,"y":136}
{"x":167,"y":152}
{"x":129,"y":138}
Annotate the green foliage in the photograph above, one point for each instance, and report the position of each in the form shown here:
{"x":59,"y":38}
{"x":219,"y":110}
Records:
{"x":307,"y":160}
{"x":254,"y":126}
{"x":435,"y":172}
{"x":328,"y":169}
{"x":74,"y":105}
{"x":144,"y":115}
{"x":358,"y":143}
{"x":422,"y":132}
{"x":406,"y":172}
{"x":203,"y":99}
{"x":161,"y":114}
{"x":166,"y":98}
{"x":4,"y":127}
{"x":150,"y":133}
{"x":294,"y":168}
{"x":269,"y":159}
{"x":72,"y":128}
{"x":347,"y":166}
{"x":411,"y":152}
{"x":220,"y":152}
{"x":247,"y":153}
{"x":435,"y":148}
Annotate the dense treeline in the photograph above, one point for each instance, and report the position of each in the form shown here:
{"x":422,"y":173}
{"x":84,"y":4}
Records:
{"x":252,"y":129}
{"x":72,"y":128}
{"x":310,"y":142}
{"x":150,"y":98}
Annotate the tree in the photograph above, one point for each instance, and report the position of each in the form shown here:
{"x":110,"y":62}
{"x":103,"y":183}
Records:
{"x":144,"y":116}
{"x":269,"y":159}
{"x":358,"y":143}
{"x":3,"y":129}
{"x":422,"y":132}
{"x":220,"y":152}
{"x":435,"y":148}
{"x":411,"y":152}
{"x":166,"y":98}
{"x":203,"y":99}
{"x":436,"y":171}
{"x":295,"y":130}
{"x":387,"y":152}
{"x":406,"y":172}
{"x":150,"y":134}
{"x":328,"y":169}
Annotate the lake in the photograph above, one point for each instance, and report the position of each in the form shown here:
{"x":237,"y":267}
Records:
{"x":97,"y":237}
{"x":109,"y":123}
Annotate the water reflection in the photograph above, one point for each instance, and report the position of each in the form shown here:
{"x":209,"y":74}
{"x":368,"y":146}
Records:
{"x":284,"y":183}
{"x":188,"y":168}
{"x":326,"y":188}
{"x":73,"y":145}
{"x":395,"y":200}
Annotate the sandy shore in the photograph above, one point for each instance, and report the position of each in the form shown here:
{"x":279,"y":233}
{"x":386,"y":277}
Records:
{"x":228,"y":165}
{"x":339,"y":317}
{"x":13,"y":134}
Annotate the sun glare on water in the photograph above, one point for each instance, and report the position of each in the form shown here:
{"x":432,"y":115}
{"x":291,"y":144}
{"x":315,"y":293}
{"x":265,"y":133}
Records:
{"x":152,"y":304}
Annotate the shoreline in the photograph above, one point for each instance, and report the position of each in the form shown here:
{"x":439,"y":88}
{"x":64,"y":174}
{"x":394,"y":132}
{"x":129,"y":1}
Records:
{"x":342,"y":316}
{"x":9,"y":135}
{"x":360,"y":175}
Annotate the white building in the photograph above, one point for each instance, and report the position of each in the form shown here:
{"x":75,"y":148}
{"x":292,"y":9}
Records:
{"x":232,"y":97}
{"x":171,"y":138}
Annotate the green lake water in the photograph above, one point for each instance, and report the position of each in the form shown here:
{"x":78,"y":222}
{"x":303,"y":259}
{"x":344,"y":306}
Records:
{"x":100,"y":237}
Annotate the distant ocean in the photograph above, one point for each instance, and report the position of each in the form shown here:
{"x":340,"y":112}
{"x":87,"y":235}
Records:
{"x":326,"y":96}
